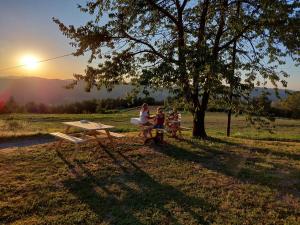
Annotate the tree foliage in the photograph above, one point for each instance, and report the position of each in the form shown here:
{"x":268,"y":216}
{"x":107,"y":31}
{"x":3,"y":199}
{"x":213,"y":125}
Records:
{"x":289,"y":107}
{"x":186,"y":45}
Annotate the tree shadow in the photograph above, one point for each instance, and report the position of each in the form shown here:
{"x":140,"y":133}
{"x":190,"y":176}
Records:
{"x":266,"y":151}
{"x":270,"y":139}
{"x":144,"y":196}
{"x":247,"y":169}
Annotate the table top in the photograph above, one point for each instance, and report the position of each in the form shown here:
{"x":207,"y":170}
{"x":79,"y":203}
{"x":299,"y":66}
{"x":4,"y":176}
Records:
{"x":87,"y":125}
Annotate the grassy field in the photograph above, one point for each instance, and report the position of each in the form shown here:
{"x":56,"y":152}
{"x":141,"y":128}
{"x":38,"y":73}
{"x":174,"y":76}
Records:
{"x":15,"y":125}
{"x":237,"y":180}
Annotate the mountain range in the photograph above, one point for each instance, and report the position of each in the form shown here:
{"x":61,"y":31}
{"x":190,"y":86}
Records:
{"x":53,"y":91}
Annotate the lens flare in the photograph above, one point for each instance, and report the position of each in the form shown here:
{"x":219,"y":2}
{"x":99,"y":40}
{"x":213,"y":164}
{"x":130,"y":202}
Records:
{"x":30,"y":62}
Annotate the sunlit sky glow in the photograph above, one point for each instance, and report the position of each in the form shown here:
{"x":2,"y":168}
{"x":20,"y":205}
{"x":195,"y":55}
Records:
{"x":30,"y":62}
{"x":27,"y":30}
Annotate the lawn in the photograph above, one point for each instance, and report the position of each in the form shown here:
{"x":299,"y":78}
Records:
{"x":237,"y":180}
{"x":16,"y":125}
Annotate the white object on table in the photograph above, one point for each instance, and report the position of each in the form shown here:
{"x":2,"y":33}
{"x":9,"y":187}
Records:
{"x":135,"y":121}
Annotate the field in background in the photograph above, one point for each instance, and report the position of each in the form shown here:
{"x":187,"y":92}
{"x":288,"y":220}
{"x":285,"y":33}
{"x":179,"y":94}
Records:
{"x":31,"y":124}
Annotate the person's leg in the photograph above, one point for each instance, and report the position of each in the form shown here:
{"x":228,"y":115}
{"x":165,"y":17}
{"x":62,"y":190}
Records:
{"x":145,"y":133}
{"x":147,"y":129}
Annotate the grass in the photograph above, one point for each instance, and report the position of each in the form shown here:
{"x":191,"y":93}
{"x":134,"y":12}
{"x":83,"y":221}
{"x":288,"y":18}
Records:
{"x":237,"y":180}
{"x":225,"y":181}
{"x":16,"y":125}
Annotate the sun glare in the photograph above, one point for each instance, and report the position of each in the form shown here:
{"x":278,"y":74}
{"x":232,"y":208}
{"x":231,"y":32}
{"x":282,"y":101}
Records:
{"x":30,"y":62}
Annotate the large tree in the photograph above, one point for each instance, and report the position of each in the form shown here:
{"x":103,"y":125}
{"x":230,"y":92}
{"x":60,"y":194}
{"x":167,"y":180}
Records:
{"x":185,"y":45}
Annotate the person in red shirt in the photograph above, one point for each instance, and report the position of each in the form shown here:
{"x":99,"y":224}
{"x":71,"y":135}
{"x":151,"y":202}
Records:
{"x":159,"y":118}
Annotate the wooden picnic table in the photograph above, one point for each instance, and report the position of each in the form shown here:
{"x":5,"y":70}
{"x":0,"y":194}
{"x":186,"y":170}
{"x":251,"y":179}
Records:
{"x":91,"y":132}
{"x":90,"y":129}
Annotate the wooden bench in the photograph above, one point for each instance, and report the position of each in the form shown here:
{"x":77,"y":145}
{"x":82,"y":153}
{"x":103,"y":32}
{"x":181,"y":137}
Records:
{"x":67,"y":137}
{"x":112,"y":134}
{"x":185,"y":128}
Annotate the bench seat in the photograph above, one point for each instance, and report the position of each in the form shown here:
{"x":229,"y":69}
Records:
{"x":67,"y":137}
{"x":113,"y":134}
{"x":185,"y":128}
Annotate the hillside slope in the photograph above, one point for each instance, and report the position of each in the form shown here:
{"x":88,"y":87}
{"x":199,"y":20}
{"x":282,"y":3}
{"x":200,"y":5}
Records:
{"x":53,"y":91}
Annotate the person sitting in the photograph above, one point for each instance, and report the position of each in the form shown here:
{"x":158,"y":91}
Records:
{"x":174,"y":122}
{"x":144,"y":120}
{"x":159,"y":118}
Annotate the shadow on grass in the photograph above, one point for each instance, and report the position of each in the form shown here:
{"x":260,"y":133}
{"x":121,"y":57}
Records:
{"x":268,"y":139}
{"x":141,"y":194}
{"x":265,"y":151}
{"x":245,"y":168}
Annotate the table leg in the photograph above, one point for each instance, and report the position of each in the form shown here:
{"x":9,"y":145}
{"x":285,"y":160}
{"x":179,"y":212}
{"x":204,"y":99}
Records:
{"x":66,"y":132}
{"x":94,"y":134}
{"x":109,"y":136}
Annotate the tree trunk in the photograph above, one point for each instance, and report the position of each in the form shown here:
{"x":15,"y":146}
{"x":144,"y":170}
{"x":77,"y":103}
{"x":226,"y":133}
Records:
{"x":229,"y":118}
{"x":228,"y":122}
{"x":199,"y":116}
{"x":198,"y":124}
{"x":231,"y":80}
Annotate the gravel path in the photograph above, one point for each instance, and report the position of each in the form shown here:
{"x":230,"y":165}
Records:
{"x":25,"y":141}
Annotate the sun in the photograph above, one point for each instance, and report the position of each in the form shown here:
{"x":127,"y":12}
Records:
{"x":29,"y":61}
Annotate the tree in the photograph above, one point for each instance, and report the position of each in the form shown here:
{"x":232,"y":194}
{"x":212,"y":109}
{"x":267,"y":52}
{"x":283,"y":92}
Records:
{"x":290,"y":106}
{"x":11,"y":106}
{"x":185,"y":45}
{"x":31,"y":107}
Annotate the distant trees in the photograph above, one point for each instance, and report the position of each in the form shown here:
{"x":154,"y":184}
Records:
{"x":289,"y":107}
{"x":187,"y":46}
{"x":88,"y":106}
{"x":10,"y":106}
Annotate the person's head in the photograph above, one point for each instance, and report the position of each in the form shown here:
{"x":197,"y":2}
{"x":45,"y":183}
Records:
{"x":174,"y":110}
{"x":159,"y":110}
{"x":144,"y":107}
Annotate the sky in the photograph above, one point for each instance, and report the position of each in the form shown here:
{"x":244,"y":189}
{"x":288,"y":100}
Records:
{"x":26,"y":28}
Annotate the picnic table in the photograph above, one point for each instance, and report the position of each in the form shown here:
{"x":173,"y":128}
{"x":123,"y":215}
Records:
{"x":91,"y":131}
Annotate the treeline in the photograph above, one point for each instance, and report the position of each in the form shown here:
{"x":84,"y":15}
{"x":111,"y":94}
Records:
{"x":88,"y":106}
{"x":288,"y":108}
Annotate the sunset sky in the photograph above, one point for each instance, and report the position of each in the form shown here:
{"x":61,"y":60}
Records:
{"x":28,"y":33}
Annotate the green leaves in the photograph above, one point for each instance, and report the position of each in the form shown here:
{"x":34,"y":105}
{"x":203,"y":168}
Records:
{"x":187,"y":45}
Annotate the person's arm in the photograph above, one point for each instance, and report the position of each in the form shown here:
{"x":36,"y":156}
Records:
{"x":150,"y":117}
{"x":155,"y":118}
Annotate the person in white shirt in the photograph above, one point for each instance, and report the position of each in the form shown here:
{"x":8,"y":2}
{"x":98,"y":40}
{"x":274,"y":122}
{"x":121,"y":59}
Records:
{"x":144,"y":119}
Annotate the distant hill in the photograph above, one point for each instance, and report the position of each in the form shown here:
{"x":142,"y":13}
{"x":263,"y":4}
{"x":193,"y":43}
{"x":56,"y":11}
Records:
{"x":52,"y":91}
{"x":272,"y":95}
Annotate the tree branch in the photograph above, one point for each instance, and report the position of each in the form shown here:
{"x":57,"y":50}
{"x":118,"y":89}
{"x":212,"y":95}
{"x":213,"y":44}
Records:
{"x":203,"y":22}
{"x":240,"y":34}
{"x":183,"y":5}
{"x":153,"y":50}
{"x":163,"y":11}
{"x":224,"y":6}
